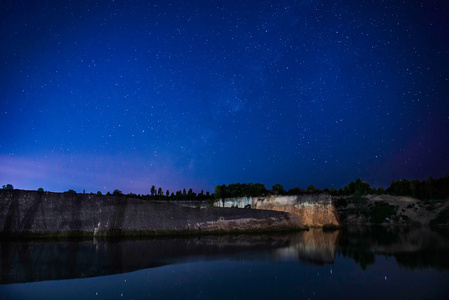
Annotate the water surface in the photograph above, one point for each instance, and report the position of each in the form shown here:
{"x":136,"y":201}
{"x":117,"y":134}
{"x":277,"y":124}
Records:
{"x":356,"y":263}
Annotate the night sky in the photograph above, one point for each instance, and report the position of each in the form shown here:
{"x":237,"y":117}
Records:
{"x":104,"y":95}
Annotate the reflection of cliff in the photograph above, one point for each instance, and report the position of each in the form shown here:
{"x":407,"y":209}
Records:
{"x":313,"y":246}
{"x":40,"y":260}
{"x":314,"y":210}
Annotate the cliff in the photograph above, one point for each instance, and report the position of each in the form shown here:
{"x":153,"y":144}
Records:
{"x":56,"y":214}
{"x":314,"y":210}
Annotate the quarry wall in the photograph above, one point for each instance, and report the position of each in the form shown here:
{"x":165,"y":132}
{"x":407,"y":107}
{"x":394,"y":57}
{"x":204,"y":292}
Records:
{"x":48,"y":214}
{"x":314,"y":210}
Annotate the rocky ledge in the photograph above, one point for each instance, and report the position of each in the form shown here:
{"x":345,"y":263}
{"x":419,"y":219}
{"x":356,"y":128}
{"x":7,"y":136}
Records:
{"x":314,"y":210}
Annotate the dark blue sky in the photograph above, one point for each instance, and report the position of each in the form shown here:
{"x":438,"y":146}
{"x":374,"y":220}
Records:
{"x":104,"y":95}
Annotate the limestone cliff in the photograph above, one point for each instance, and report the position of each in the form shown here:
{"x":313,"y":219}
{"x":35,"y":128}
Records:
{"x":314,"y":210}
{"x":48,"y":214}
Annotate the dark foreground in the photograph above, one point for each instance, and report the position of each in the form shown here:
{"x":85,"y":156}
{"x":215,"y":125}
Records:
{"x":354,"y":263}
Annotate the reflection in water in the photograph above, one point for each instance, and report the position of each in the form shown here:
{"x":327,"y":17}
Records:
{"x":413,"y":247}
{"x":314,"y":246}
{"x":40,"y":260}
{"x":28,"y":261}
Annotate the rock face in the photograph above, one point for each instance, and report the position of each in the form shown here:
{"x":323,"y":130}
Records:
{"x":389,"y":209}
{"x":49,"y":214}
{"x":314,"y":210}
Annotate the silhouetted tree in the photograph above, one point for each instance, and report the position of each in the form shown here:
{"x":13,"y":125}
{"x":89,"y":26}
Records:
{"x":153,"y":190}
{"x":218,"y":192}
{"x":117,"y":193}
{"x":278,"y":189}
{"x":310,"y":188}
{"x":294,"y":191}
{"x":159,"y":192}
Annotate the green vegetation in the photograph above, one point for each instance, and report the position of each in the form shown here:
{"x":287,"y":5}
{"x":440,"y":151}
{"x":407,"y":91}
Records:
{"x":341,"y":202}
{"x":241,"y":190}
{"x":117,"y":193}
{"x":429,"y":190}
{"x":381,"y":211}
{"x":8,"y":187}
{"x":425,"y":190}
{"x":278,"y":189}
{"x":441,"y":219}
{"x":158,"y":194}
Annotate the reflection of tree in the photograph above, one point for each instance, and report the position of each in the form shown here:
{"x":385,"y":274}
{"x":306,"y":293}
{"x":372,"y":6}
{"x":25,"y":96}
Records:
{"x":433,"y":252}
{"x":384,"y":236}
{"x":357,"y":248}
{"x":412,"y":247}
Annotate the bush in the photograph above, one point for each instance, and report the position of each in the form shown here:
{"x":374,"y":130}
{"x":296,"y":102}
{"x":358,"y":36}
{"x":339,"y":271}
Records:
{"x":380,"y":211}
{"x":441,"y":219}
{"x":341,"y":202}
{"x":405,"y":218}
{"x":117,"y":193}
{"x":8,"y":187}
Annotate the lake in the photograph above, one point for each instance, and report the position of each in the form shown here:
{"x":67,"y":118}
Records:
{"x":354,"y":263}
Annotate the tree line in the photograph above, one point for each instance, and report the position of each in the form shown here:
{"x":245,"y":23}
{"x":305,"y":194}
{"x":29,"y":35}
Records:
{"x":159,"y":194}
{"x":425,"y":190}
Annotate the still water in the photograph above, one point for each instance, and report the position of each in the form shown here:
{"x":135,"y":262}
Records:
{"x":356,"y":263}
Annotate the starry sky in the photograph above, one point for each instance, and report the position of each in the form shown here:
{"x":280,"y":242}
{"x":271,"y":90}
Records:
{"x":104,"y":95}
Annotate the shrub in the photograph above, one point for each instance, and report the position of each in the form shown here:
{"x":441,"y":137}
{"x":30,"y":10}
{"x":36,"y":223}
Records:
{"x":442,"y":218}
{"x":117,"y":193}
{"x":341,"y":202}
{"x":380,"y":211}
